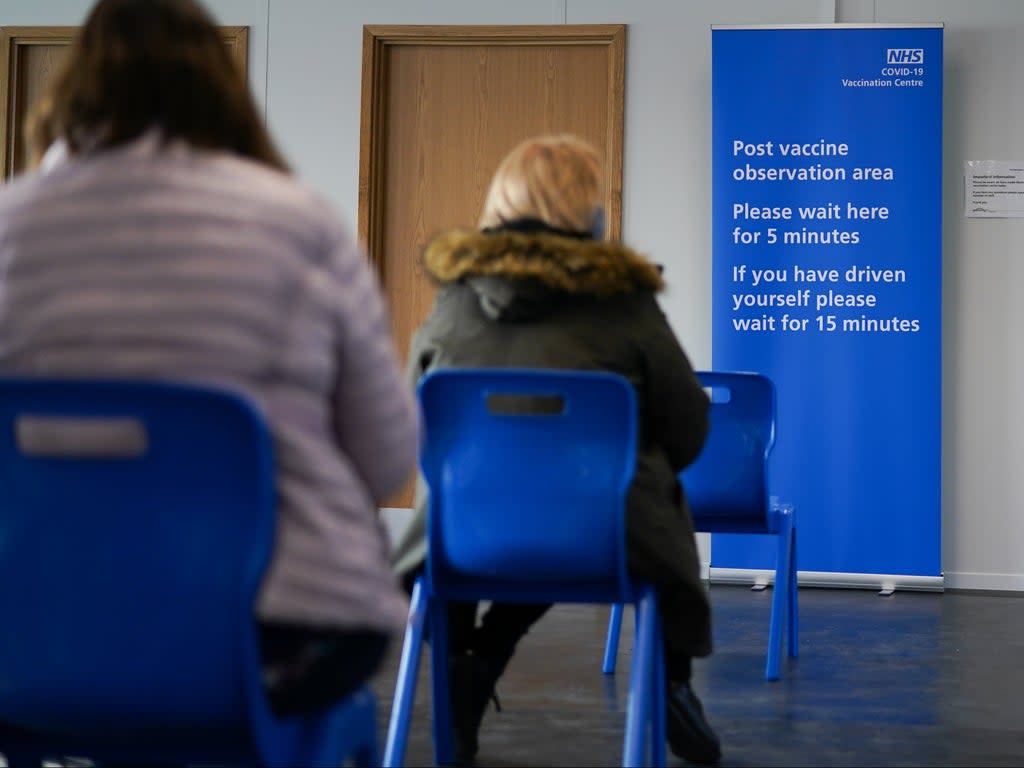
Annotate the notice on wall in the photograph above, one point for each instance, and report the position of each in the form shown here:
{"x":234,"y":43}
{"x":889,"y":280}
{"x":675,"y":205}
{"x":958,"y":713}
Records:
{"x":994,"y":189}
{"x":827,"y":277}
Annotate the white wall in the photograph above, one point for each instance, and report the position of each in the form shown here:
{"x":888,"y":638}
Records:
{"x":249,"y":13}
{"x":305,"y":67}
{"x":983,"y":270}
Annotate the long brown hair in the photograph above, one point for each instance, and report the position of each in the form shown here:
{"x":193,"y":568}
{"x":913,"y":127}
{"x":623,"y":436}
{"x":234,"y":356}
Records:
{"x":139,"y":64}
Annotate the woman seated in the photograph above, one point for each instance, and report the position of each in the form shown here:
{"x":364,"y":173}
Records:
{"x":164,"y":238}
{"x":538,"y":287}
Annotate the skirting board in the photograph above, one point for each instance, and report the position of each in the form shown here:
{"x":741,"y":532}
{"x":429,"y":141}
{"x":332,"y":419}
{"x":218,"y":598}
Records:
{"x":828,"y":579}
{"x":991,"y":582}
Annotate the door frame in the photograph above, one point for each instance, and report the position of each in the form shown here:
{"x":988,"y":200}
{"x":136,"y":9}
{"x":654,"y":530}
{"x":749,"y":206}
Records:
{"x":377,"y":39}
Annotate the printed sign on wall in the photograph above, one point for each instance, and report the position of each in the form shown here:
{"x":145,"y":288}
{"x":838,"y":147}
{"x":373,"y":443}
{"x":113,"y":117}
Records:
{"x":827,"y":277}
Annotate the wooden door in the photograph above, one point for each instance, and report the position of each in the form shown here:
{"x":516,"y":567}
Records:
{"x":442,"y":105}
{"x":30,"y":58}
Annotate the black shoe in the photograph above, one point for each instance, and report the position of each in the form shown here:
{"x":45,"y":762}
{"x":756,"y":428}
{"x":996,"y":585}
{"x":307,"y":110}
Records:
{"x":472,"y":686}
{"x":689,"y":734}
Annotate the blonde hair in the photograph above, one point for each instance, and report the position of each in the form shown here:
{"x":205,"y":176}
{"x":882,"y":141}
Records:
{"x":557,"y":179}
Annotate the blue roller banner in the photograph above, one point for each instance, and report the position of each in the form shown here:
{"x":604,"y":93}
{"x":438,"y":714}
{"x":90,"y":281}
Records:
{"x":827,"y":277}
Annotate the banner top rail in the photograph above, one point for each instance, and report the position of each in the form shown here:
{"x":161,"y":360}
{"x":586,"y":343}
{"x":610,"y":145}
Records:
{"x":839,"y":25}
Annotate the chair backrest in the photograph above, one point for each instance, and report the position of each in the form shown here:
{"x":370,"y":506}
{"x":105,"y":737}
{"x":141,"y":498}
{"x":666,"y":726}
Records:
{"x":137,"y":521}
{"x":727,"y":486}
{"x":528,"y":472}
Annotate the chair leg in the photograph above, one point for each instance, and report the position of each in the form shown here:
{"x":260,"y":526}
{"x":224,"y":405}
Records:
{"x":405,"y":683}
{"x":444,"y":742}
{"x":780,"y":598}
{"x":18,"y":758}
{"x":357,"y":732}
{"x":611,"y":646}
{"x":641,"y":682}
{"x":659,"y":703}
{"x":365,"y":754}
{"x":794,"y":611}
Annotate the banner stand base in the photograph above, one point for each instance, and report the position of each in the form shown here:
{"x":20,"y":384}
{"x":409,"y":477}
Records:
{"x":884,"y":583}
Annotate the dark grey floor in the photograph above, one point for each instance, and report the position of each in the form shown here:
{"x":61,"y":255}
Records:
{"x":912,"y":679}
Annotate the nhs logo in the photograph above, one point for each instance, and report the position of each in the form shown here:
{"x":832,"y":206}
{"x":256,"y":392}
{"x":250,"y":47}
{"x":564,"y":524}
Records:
{"x":904,"y":55}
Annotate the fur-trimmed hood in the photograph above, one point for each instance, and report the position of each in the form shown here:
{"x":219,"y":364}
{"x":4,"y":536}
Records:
{"x":517,"y":274}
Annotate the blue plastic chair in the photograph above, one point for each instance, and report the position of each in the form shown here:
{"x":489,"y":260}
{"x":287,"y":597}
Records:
{"x":727,"y":487}
{"x":129,"y":568}
{"x":528,"y":473}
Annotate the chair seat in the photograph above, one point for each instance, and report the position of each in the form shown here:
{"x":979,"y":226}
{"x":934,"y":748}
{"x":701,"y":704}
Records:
{"x":346,"y":729}
{"x":538,"y":592}
{"x":216,"y":746}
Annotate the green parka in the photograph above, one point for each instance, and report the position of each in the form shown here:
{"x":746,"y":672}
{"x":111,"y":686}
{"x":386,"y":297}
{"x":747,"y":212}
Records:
{"x":540,"y":300}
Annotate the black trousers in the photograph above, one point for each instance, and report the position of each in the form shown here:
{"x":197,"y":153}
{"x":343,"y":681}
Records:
{"x":501,"y":628}
{"x":307,"y":669}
